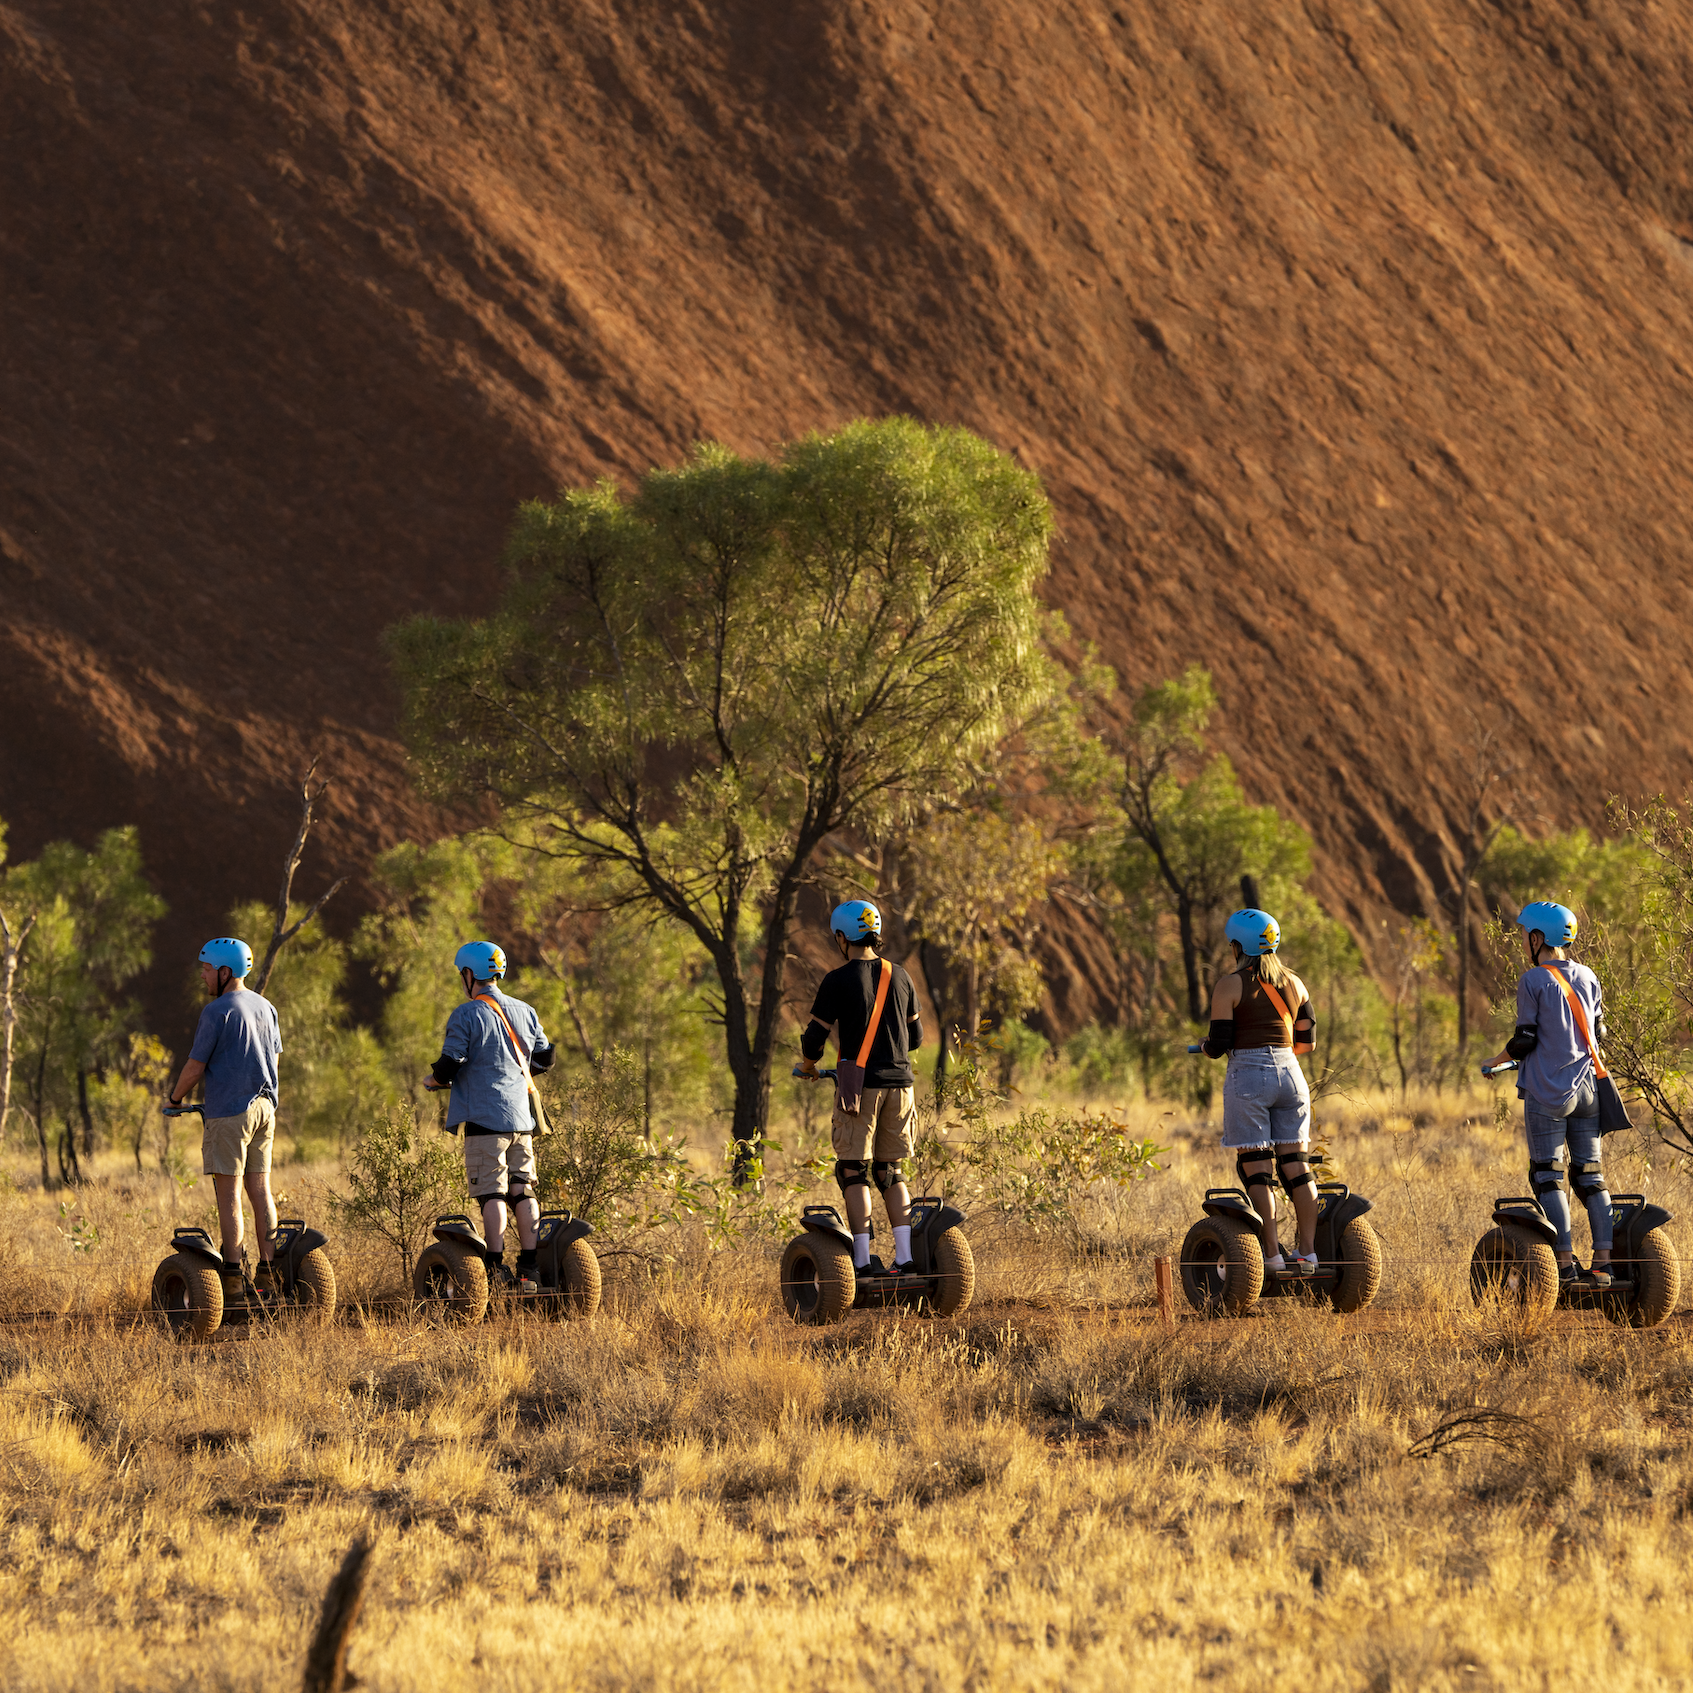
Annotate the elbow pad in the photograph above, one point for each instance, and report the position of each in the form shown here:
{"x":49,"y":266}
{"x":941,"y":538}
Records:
{"x":445,"y":1068}
{"x":1524,"y":1041}
{"x":541,"y":1059}
{"x":1220,"y":1039}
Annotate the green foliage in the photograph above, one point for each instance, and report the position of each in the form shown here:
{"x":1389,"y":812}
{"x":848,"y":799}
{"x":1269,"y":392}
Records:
{"x":1185,"y":834}
{"x":599,"y":1156}
{"x":690,"y":691}
{"x":401,"y":1176}
{"x":1642,"y":950}
{"x":89,"y":918}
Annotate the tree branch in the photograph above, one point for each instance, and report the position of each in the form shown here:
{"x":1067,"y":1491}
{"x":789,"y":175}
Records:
{"x":283,"y":932}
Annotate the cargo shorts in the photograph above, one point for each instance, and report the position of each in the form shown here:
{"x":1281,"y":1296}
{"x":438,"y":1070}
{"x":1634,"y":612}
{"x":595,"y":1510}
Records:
{"x":236,"y":1146}
{"x":882,"y":1130}
{"x":496,"y":1164}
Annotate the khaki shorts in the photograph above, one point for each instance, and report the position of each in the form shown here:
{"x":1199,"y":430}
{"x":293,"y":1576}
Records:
{"x":496,"y":1164}
{"x":234,"y":1146}
{"x":890,"y":1112}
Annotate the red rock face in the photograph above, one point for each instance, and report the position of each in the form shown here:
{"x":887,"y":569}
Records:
{"x":1352,"y":342}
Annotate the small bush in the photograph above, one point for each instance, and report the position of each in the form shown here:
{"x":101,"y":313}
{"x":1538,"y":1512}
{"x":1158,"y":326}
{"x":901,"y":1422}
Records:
{"x":400,"y":1175}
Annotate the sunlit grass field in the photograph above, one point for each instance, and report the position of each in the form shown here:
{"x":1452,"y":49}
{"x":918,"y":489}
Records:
{"x":689,"y":1492}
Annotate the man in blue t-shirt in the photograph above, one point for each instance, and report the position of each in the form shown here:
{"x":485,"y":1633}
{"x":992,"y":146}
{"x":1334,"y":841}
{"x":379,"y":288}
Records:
{"x":235,"y":1050}
{"x":492,"y":1047}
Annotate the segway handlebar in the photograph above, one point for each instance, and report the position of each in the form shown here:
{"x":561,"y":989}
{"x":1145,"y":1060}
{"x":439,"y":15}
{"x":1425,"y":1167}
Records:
{"x":813,"y":1075}
{"x":1196,"y":1049}
{"x":184,"y":1110}
{"x":1499,"y":1069}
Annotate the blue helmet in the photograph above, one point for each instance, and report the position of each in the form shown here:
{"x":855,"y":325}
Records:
{"x":237,"y":955}
{"x":1556,"y":922}
{"x":857,"y":920}
{"x":485,"y":961}
{"x":1257,"y":931}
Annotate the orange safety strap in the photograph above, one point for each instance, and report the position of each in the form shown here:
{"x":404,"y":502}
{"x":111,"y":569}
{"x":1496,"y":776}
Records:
{"x":511,"y":1034}
{"x":875,"y":1014}
{"x":1287,"y":1016}
{"x":1580,"y":1019}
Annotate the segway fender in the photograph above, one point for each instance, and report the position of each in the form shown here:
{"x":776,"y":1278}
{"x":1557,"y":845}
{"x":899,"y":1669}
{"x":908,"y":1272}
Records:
{"x":1353,"y":1205}
{"x":307,"y":1240}
{"x":458,"y":1227}
{"x":565,"y":1229}
{"x":197,"y":1240}
{"x":826,"y":1222}
{"x":1644,"y":1220}
{"x":942,"y":1218}
{"x":1526,"y":1214}
{"x":1230,"y":1202}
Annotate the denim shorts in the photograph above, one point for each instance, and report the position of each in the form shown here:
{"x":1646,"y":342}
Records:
{"x":1265,"y":1099}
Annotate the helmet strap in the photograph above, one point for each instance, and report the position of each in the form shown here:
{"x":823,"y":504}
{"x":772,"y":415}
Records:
{"x":225,"y":977}
{"x":468,"y":977}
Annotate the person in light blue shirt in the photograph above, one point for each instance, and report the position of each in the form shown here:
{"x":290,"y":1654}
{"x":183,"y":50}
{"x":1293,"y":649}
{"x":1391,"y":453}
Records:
{"x":493,"y":1045}
{"x":236,"y":1046}
{"x":1558,"y":1085}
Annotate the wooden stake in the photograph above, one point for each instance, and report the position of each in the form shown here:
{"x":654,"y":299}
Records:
{"x":1161,"y":1280}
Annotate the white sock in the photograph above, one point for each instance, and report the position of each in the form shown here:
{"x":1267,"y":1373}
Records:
{"x":861,"y":1252}
{"x":1275,"y":1263}
{"x":902,"y":1243}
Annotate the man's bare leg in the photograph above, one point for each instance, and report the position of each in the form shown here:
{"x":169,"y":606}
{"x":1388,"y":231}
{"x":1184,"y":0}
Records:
{"x":264,"y":1212}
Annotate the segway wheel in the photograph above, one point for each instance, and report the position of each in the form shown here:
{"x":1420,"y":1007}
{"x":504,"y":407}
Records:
{"x":1514,"y":1264}
{"x":955,"y":1274}
{"x":1360,"y":1266}
{"x":314,"y":1298}
{"x":580,"y":1269}
{"x":1222,"y":1267}
{"x":450,"y":1284}
{"x":1657,"y":1276}
{"x":189,"y":1293}
{"x":818,"y":1282}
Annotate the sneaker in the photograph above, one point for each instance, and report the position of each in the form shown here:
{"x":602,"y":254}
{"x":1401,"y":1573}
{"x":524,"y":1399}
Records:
{"x":500,"y":1279}
{"x":1600,"y":1275}
{"x":1570,"y":1274}
{"x":908,"y":1268}
{"x":1304,"y":1264}
{"x":875,"y":1267}
{"x":526,"y":1282}
{"x":1276,"y":1266}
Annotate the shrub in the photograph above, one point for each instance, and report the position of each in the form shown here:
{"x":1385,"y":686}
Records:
{"x":401,"y":1175}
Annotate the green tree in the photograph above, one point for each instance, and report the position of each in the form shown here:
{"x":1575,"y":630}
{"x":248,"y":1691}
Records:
{"x":692,"y":690}
{"x":970,"y":884}
{"x":1187,"y":831}
{"x":83,"y":922}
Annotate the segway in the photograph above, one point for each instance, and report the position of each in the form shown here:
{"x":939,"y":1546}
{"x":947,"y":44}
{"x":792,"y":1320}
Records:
{"x":197,"y":1293}
{"x":1223,"y":1272}
{"x":451,"y":1277}
{"x":1517,"y":1260}
{"x":820,"y":1285}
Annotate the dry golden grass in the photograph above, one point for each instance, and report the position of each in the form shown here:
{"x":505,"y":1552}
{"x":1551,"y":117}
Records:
{"x":690,"y":1493}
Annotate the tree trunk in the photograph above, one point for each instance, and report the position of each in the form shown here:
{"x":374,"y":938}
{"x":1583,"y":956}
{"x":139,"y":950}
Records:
{"x":1464,"y":966}
{"x":87,"y":1115}
{"x":41,"y":1113}
{"x":972,"y":999}
{"x":1190,"y":958}
{"x":11,"y":950}
{"x":1398,"y":1055}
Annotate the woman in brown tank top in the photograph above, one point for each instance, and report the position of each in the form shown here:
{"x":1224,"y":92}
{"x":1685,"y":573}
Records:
{"x":1261,"y":1018}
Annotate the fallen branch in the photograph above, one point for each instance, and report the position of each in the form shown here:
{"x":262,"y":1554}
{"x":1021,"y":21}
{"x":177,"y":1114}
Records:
{"x":326,"y":1660}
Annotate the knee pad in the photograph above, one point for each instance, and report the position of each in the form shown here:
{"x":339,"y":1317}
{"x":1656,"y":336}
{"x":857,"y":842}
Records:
{"x":1291,"y":1186}
{"x":850,"y":1172}
{"x":1546,"y":1175}
{"x":1587,"y":1181}
{"x":1261,"y":1178}
{"x":885,"y":1175}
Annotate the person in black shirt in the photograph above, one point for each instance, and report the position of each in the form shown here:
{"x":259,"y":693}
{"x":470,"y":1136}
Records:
{"x":869,"y":1142}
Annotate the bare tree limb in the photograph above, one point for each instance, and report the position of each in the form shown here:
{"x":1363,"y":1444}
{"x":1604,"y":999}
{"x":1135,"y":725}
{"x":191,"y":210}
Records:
{"x":284,"y":932}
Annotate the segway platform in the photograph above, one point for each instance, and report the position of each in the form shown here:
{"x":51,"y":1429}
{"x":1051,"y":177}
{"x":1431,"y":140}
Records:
{"x":820,"y":1283}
